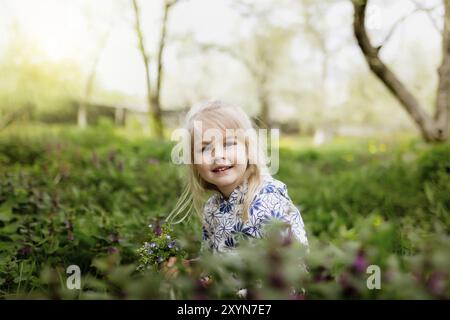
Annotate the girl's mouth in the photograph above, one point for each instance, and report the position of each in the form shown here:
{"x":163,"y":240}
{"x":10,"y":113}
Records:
{"x":221,"y":169}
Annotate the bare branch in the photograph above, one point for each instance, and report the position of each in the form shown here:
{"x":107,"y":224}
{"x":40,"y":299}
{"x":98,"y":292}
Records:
{"x":389,"y":79}
{"x":418,"y":8}
{"x":428,"y":12}
{"x":230,"y":52}
{"x":394,"y":28}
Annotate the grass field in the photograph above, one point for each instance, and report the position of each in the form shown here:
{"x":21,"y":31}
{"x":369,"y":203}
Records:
{"x":86,"y":198}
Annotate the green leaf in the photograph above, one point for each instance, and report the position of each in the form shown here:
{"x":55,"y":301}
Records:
{"x":6,"y":212}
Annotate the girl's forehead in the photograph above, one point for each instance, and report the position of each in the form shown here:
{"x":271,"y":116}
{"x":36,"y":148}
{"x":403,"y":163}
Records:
{"x":217,"y":135}
{"x":211,"y":130}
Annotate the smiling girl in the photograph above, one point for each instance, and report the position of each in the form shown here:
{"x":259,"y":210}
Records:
{"x":229,"y":184}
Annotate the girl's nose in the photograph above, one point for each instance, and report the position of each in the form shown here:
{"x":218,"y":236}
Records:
{"x":218,"y":152}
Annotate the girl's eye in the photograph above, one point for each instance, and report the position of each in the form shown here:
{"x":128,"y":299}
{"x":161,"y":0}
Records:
{"x":230,"y":143}
{"x":206,"y":148}
{"x":226,"y":145}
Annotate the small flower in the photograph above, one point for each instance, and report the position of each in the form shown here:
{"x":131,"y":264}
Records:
{"x":360,"y":264}
{"x":112,"y":250}
{"x":70,"y":236}
{"x":242,"y":293}
{"x":168,"y":237}
{"x":150,"y":252}
{"x":150,"y":226}
{"x":112,"y":156}
{"x":436,"y":283}
{"x":25,"y":251}
{"x":170,"y":245}
{"x":153,"y":244}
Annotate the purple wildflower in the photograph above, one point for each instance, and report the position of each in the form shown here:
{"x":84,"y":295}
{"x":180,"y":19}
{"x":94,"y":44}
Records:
{"x":158,"y":230}
{"x":112,"y":250}
{"x":360,"y":264}
{"x":26,"y":251}
{"x":436,"y":283}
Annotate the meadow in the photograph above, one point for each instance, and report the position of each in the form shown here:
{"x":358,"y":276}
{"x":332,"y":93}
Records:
{"x":87,"y":198}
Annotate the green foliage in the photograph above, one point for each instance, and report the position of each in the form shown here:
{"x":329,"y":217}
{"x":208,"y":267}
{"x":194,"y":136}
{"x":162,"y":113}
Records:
{"x":87,"y":198}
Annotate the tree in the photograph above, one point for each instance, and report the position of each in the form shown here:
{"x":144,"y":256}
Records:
{"x":264,"y":55}
{"x":153,"y":96}
{"x":82,"y":108}
{"x":433,"y":128}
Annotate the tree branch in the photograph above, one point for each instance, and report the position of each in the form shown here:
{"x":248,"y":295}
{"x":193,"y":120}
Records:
{"x":394,"y":28}
{"x":395,"y":86}
{"x":428,"y":13}
{"x":222,"y":49}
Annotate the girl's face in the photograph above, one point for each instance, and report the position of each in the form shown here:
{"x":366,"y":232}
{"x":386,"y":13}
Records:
{"x":223,"y":161}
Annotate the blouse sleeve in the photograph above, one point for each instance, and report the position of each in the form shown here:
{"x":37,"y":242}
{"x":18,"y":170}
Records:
{"x":274,"y":203}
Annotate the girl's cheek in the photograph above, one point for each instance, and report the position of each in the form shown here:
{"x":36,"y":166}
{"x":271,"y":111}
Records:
{"x":240,"y":156}
{"x":207,"y":159}
{"x":202,"y":170}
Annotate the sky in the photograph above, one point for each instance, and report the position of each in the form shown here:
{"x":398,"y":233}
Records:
{"x":72,"y":29}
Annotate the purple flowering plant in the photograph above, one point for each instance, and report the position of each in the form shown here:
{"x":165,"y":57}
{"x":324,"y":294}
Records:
{"x":159,"y":248}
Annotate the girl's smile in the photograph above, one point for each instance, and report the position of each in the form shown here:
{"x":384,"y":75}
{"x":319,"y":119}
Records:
{"x":222,"y":169}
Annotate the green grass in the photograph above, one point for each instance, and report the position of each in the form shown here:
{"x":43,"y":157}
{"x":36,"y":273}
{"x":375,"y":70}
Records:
{"x":86,"y":197}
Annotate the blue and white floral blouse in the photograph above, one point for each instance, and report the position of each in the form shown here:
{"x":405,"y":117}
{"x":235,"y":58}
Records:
{"x":222,"y":219}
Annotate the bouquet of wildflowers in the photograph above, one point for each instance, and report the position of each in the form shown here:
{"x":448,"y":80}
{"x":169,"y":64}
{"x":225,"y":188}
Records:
{"x":159,"y":249}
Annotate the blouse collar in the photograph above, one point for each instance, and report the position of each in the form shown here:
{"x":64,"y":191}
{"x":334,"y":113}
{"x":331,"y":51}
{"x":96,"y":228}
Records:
{"x":236,"y":196}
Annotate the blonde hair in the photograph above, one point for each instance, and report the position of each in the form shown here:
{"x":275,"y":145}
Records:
{"x":196,"y":189}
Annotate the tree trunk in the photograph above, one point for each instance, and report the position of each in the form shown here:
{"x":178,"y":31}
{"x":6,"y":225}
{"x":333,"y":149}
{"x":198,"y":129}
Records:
{"x":119,"y":116}
{"x":82,"y":115}
{"x":162,"y":45}
{"x":432,"y":129}
{"x":83,"y":106}
{"x":153,"y":108}
{"x":443,"y":94}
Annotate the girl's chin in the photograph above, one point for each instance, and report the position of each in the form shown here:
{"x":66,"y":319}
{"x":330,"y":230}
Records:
{"x":224,"y":180}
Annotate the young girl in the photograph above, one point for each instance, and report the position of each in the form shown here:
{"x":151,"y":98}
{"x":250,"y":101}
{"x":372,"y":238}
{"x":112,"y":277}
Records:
{"x":243,"y":196}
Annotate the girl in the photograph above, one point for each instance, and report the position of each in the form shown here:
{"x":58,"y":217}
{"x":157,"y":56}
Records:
{"x":243,"y":196}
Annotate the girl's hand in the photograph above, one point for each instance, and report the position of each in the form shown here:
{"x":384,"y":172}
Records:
{"x":170,"y":270}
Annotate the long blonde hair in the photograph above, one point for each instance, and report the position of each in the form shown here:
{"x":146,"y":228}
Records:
{"x":196,"y":189}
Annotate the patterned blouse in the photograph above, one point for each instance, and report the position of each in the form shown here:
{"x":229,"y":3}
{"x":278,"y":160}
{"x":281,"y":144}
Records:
{"x":222,"y":222}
